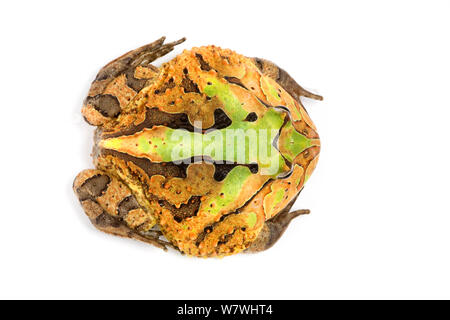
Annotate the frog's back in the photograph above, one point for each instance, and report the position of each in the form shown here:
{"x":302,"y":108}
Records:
{"x":219,"y":205}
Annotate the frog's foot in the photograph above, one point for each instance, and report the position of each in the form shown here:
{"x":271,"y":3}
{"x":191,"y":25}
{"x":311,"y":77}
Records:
{"x":283,"y":78}
{"x":112,"y":208}
{"x":119,"y":81}
{"x":274,"y":228}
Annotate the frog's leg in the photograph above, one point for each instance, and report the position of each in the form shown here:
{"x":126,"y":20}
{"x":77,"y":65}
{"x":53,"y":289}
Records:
{"x":274,"y":228}
{"x":119,"y":81}
{"x":283,"y":78}
{"x":112,"y":208}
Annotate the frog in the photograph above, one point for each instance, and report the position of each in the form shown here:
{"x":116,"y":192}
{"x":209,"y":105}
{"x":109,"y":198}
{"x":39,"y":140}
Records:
{"x":205,"y":154}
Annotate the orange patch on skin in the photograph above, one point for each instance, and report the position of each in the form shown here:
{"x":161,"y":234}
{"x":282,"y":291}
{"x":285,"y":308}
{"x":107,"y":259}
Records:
{"x":271,"y":208}
{"x":243,"y":235}
{"x":200,"y":177}
{"x":249,"y":101}
{"x":139,"y":218}
{"x":93,"y":116}
{"x":145,"y":72}
{"x":119,"y":89}
{"x":312,"y":165}
{"x":113,"y":195}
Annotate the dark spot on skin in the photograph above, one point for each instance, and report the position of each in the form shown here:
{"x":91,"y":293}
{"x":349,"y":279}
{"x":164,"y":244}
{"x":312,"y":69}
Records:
{"x":189,"y":85}
{"x":203,"y":64}
{"x":221,"y":120}
{"x":251,"y":117}
{"x":283,"y":76}
{"x":226,"y":238}
{"x":134,"y":83}
{"x":126,"y":205}
{"x":167,"y":85}
{"x":106,"y":104}
{"x":263,"y":103}
{"x":210,"y":228}
{"x":102,"y":75}
{"x":253,"y":168}
{"x":222,"y":170}
{"x":93,"y":187}
{"x":187,"y":210}
{"x":105,"y":220}
{"x":226,"y":58}
{"x":184,"y":118}
{"x":259,"y":63}
{"x":236,"y":81}
{"x":202,"y":235}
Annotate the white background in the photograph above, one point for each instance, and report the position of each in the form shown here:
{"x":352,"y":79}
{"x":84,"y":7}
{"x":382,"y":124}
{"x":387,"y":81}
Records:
{"x":380,"y":221}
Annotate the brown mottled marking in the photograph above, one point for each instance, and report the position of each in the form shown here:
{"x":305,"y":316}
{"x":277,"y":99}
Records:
{"x":91,"y":186}
{"x":221,"y":120}
{"x":142,"y":56}
{"x":106,"y":104}
{"x":105,"y":220}
{"x":283,"y":78}
{"x":133,"y":82}
{"x":122,"y":79}
{"x":203,"y":64}
{"x":168,"y":85}
{"x":189,"y":85}
{"x":274,"y":228}
{"x":126,"y":205}
{"x":236,"y":81}
{"x":187,"y":210}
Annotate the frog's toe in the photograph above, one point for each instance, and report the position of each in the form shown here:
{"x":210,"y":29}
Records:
{"x":274,"y":228}
{"x":283,"y":78}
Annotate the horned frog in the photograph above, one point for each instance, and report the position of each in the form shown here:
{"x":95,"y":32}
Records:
{"x":206,"y":154}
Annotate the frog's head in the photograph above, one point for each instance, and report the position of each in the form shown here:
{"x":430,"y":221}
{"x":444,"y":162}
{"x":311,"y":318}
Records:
{"x":294,"y":139}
